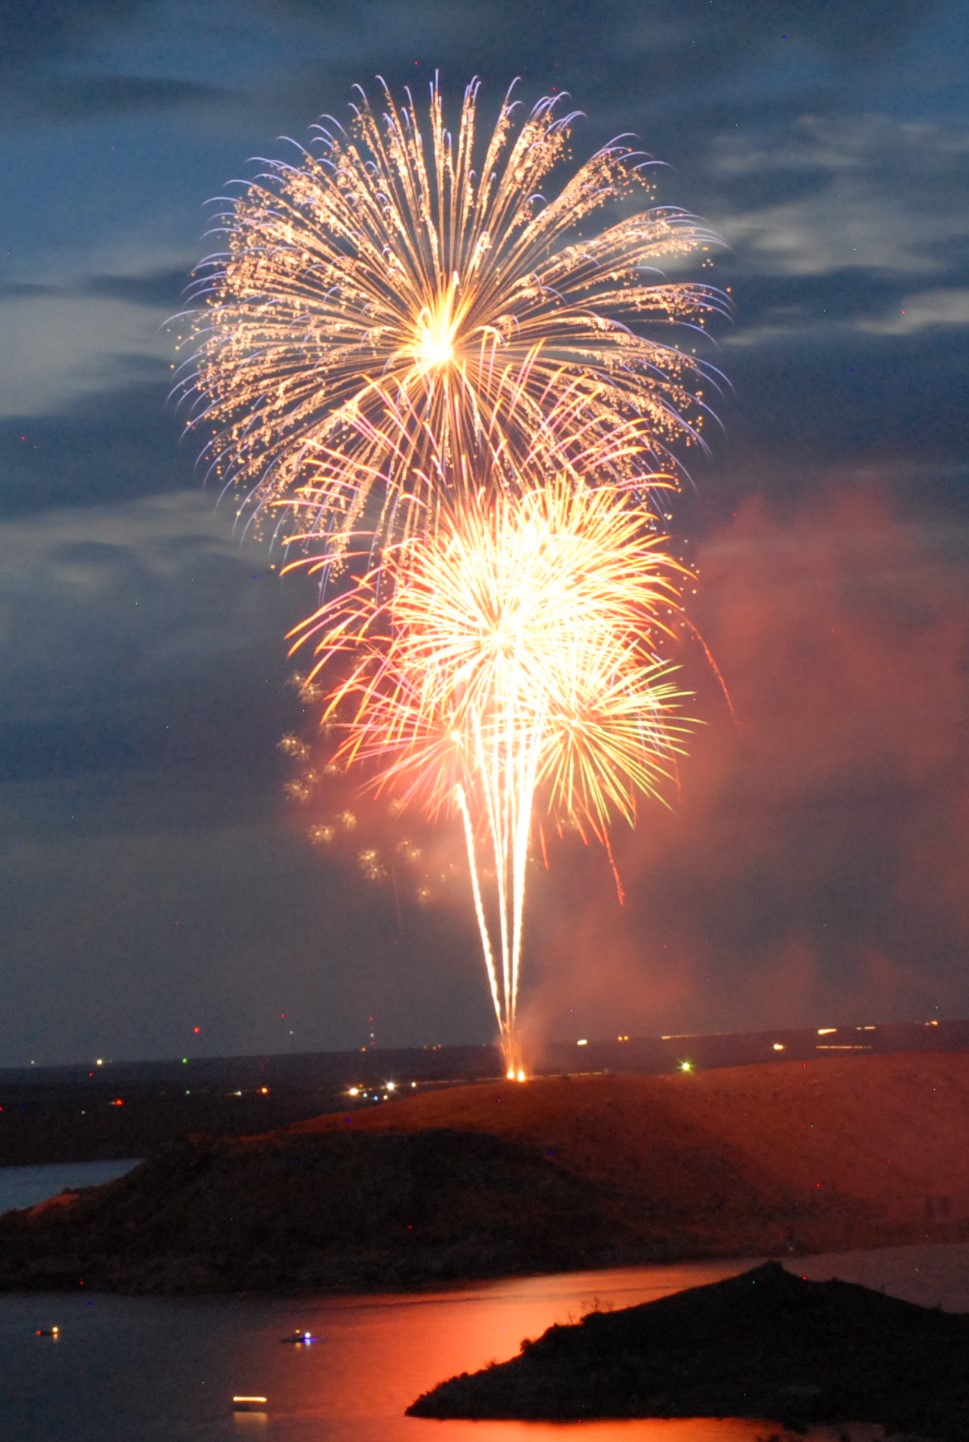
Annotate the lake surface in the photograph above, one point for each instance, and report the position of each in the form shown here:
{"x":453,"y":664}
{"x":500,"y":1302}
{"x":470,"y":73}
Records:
{"x":164,"y":1370}
{"x":26,"y":1186}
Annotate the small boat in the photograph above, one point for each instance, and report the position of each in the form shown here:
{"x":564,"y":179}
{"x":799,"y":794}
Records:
{"x":299,"y":1339}
{"x":249,"y":1404}
{"x":47,"y":1331}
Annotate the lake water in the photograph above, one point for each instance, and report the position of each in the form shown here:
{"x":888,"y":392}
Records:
{"x":164,"y":1370}
{"x":26,"y":1186}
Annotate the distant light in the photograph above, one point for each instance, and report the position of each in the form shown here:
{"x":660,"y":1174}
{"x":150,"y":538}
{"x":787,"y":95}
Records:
{"x":264,"y":1091}
{"x":826,"y":1030}
{"x":413,"y":1084}
{"x":622,"y":1037}
{"x":583,"y":1041}
{"x":353,"y":1092}
{"x":99,"y":1062}
{"x":184,"y":1061}
{"x":686,"y":1066}
{"x":117,"y":1101}
{"x":520,"y":1075}
{"x":249,"y":1404}
{"x":391,"y":1086}
{"x":197,"y":1030}
{"x":778,"y":1046}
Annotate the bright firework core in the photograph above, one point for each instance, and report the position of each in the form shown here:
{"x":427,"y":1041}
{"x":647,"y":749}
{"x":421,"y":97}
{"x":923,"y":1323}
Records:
{"x":436,"y":336}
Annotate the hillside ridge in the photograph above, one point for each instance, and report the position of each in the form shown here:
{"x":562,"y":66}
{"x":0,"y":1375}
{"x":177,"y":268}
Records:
{"x":498,"y":1178}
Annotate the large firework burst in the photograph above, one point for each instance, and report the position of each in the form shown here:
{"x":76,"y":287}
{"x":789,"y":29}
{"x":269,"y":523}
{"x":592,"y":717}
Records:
{"x":399,"y":290}
{"x":505,"y":667}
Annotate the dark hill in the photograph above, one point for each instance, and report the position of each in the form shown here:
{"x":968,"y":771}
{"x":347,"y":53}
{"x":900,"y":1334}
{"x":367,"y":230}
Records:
{"x":562,"y":1173}
{"x":764,"y":1344}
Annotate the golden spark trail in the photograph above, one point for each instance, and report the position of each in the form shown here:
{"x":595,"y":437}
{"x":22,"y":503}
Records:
{"x":505,"y":667}
{"x":400,"y":291}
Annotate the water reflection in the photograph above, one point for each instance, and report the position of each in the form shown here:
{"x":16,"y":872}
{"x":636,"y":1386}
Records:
{"x":167,"y":1370}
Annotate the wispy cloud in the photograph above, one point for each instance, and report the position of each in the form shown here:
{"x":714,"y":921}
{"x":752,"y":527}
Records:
{"x":882,"y":197}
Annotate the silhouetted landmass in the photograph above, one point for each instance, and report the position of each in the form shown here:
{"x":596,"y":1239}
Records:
{"x":70,"y":1113}
{"x":498,"y":1179}
{"x":764,"y":1345}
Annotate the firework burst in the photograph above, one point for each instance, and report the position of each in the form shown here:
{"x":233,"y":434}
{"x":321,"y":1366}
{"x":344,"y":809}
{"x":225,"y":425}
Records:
{"x":400,"y":291}
{"x":505,"y":668}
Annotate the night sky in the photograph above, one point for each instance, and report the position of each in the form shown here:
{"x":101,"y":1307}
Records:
{"x":813,"y":869}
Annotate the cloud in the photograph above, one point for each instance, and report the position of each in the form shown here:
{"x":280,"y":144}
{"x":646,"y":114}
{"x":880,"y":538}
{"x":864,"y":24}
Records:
{"x":881,"y":198}
{"x":834,"y":402}
{"x":60,"y":97}
{"x":131,"y":613}
{"x":158,"y":289}
{"x":924,"y":310}
{"x":62,"y":347}
{"x":45,"y":30}
{"x":120,"y":444}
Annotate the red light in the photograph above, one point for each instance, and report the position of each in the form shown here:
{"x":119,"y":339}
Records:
{"x":197,"y":1030}
{"x":118,"y":1102}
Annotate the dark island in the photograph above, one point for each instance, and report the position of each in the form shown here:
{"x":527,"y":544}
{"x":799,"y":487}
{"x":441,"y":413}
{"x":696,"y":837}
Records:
{"x":764,"y":1345}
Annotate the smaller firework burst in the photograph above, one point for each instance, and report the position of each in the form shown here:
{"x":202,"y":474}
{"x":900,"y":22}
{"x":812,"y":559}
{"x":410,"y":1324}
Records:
{"x":509,"y":669}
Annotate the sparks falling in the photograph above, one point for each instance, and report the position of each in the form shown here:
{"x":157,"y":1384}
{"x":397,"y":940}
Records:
{"x":399,"y":290}
{"x":506,"y":669}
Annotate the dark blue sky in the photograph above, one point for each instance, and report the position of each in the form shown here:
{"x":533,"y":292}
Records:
{"x":153,"y":876}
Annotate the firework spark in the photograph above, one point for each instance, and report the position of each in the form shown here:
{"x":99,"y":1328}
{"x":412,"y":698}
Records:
{"x":399,"y":292}
{"x":505,"y":668}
